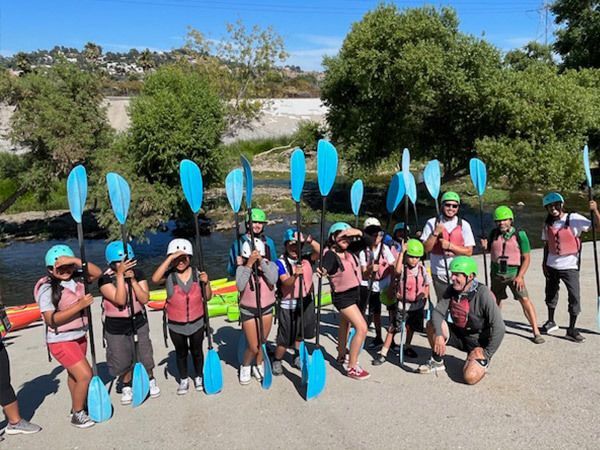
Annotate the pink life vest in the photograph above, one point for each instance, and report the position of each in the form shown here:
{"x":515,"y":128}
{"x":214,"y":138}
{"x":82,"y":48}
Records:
{"x":508,"y":248}
{"x":67,"y":298}
{"x":414,"y":286}
{"x":385,"y":269}
{"x":455,"y":238}
{"x":292,"y":292}
{"x":122,"y":312}
{"x":248,"y":295}
{"x":185,"y":307}
{"x":562,"y":241}
{"x":459,"y":311}
{"x":348,"y":275}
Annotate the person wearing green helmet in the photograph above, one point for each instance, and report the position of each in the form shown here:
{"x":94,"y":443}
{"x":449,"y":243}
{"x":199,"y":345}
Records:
{"x":477,"y":327}
{"x":410,"y":294}
{"x":342,"y":268}
{"x":259,"y":219}
{"x":445,"y":237}
{"x":562,"y":255}
{"x":509,"y":251}
{"x":63,"y":304}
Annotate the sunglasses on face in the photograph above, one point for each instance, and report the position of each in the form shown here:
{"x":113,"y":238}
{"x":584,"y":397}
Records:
{"x":451,"y":205}
{"x":554,"y":206}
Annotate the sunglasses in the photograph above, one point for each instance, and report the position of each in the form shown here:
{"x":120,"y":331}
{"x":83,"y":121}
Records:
{"x":451,"y":205}
{"x":554,"y":206}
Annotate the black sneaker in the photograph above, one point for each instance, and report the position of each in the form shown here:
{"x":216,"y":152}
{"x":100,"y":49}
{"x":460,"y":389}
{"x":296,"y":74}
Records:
{"x":574,"y":335}
{"x":277,"y":368}
{"x":375,"y":344}
{"x":379,"y":360}
{"x":549,"y":327}
{"x":409,"y":352}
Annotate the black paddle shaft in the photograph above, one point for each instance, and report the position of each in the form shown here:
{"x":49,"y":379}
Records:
{"x":84,"y":268}
{"x":320,"y":284}
{"x":200,"y":266}
{"x":236,"y":218}
{"x":437,"y":210}
{"x":261,"y":331}
{"x":130,"y":295}
{"x":594,"y":240}
{"x":376,"y":259}
{"x":483,"y":236}
{"x":299,"y":258}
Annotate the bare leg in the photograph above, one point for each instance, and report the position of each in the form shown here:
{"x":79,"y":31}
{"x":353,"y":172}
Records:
{"x":529,"y":311}
{"x":355,"y":317}
{"x":11,"y":411}
{"x":249,"y":328}
{"x":80,"y":375}
{"x":473,"y":372}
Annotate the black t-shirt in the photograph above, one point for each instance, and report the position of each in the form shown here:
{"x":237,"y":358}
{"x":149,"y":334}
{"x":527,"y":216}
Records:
{"x":331,"y":262}
{"x":122,"y":325}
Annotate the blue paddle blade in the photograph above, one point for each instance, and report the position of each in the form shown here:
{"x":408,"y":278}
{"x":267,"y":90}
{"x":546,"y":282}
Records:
{"x":350,"y":337}
{"x":327,"y":165}
{"x":234,"y":187}
{"x":191,"y":182}
{"x":98,"y":401}
{"x":406,"y":166}
{"x":411,"y":188}
{"x":304,"y":362}
{"x":120,"y":196}
{"x":212,"y":373}
{"x":249,"y":180}
{"x":77,"y":192}
{"x":586,"y":165}
{"x":478,"y":175}
{"x":316,"y":375}
{"x":241,"y":349}
{"x":140,"y":384}
{"x":356,"y":196}
{"x":395,"y":192}
{"x":268,"y":375}
{"x":297,"y":174}
{"x":433,"y":178}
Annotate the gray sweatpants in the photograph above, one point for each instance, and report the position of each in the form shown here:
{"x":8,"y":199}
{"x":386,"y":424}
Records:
{"x":570,"y":278}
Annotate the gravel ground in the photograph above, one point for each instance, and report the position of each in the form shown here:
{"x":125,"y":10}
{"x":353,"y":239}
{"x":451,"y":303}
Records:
{"x":534,"y":396}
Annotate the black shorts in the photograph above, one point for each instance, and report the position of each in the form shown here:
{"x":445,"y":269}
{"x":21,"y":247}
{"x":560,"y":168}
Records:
{"x":374,"y":301}
{"x":290,"y":326}
{"x":465,"y":342}
{"x":414,"y":318}
{"x":248,"y":313}
{"x":343,"y":300}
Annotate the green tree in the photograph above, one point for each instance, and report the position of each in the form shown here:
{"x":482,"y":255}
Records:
{"x":92,"y":54}
{"x":145,"y":60}
{"x":532,"y":53}
{"x":22,"y":63}
{"x":577,"y":39}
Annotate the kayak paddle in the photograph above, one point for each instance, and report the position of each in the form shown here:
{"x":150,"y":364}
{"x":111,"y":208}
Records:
{"x":588,"y":177}
{"x":410,"y":191}
{"x":297,"y":178}
{"x":327,"y":165}
{"x":98,"y":401}
{"x":479,"y":178}
{"x":268,"y":375}
{"x":120,"y":198}
{"x":192,"y":184}
{"x":433,"y":178}
{"x":356,"y":197}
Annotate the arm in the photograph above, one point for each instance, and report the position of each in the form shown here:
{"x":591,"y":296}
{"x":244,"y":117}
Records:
{"x":270,"y":271}
{"x":400,"y":262}
{"x":141,"y":290}
{"x":242,"y":276}
{"x":94,"y":272}
{"x":315,"y":246}
{"x":438,"y":316}
{"x":430,"y":235}
{"x":117,"y":295}
{"x":158,"y":277}
{"x":58,"y":318}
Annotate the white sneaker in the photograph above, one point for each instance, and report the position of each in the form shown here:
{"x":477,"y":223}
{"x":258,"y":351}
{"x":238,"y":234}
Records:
{"x":258,"y":372}
{"x":198,"y":383}
{"x":183,"y":387}
{"x":154,"y":389}
{"x":245,"y":375}
{"x":126,"y":396}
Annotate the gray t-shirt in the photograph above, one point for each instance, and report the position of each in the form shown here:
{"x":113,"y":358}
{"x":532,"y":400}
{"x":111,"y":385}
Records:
{"x":44,"y":299}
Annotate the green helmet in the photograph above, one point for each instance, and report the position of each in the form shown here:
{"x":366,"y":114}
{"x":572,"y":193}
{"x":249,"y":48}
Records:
{"x":338,"y":226}
{"x":552,"y":197}
{"x":451,"y":196}
{"x":503,"y":212}
{"x":463,"y":264}
{"x":258,"y":215}
{"x":414,"y":248}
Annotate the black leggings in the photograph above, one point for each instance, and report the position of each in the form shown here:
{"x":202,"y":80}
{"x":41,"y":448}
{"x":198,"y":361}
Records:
{"x":7,"y":393}
{"x":192,"y":344}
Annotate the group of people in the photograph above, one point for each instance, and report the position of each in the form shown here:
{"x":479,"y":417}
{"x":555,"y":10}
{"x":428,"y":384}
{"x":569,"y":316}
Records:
{"x":366,"y":268}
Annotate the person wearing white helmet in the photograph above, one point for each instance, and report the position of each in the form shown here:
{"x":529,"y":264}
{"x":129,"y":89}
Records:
{"x":255,"y":292}
{"x":184,"y":309}
{"x":562,"y":254}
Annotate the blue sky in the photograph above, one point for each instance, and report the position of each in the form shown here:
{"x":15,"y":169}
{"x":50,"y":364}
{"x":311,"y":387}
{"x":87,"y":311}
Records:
{"x":310,"y":28}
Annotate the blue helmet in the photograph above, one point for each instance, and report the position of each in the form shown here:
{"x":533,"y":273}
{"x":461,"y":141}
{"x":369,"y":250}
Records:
{"x":289,"y":235}
{"x":56,"y":252}
{"x":338,"y":226}
{"x":398,"y":226}
{"x":552,"y":197}
{"x":114,"y":252}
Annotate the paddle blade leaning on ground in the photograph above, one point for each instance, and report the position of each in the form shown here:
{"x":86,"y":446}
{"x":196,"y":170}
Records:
{"x":98,"y":401}
{"x":588,"y":177}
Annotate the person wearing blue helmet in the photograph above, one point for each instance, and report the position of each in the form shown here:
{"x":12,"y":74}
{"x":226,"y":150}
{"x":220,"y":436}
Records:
{"x":63,"y":304}
{"x":562,"y":256}
{"x":292,"y":265}
{"x":121,"y":278}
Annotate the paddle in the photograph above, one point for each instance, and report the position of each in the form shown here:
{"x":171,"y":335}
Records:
{"x":479,"y":178}
{"x":432,"y":177}
{"x":411,"y":192}
{"x":191,"y":182}
{"x":588,"y":177}
{"x":356,"y":197}
{"x":98,"y":401}
{"x":268,"y":375}
{"x":120,"y":198}
{"x":409,"y":182}
{"x":327,"y":165}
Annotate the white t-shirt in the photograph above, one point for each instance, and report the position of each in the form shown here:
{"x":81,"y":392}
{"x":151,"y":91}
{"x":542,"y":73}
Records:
{"x":44,"y":299}
{"x":386,"y":254}
{"x":578,"y":224}
{"x":437,"y":261}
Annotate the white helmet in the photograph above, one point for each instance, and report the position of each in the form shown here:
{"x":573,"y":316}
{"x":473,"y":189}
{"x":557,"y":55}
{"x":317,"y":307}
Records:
{"x":182,"y":245}
{"x":258,"y":245}
{"x":372,"y":222}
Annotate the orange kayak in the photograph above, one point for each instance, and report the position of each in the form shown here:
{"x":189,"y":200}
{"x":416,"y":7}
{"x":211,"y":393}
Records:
{"x":23,"y":315}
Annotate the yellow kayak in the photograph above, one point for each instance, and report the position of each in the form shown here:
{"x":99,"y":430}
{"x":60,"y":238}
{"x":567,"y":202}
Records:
{"x":160,"y":295}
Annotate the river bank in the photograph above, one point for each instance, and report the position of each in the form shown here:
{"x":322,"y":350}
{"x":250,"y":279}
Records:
{"x":535,"y":396}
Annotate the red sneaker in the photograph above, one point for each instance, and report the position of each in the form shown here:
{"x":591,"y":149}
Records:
{"x":358,"y":373}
